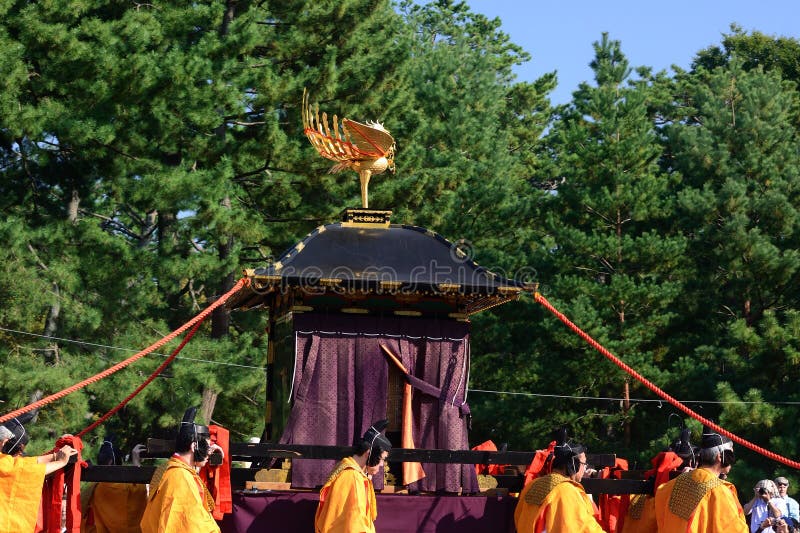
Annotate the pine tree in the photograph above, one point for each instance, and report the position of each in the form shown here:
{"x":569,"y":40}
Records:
{"x":605,"y":259}
{"x":736,"y":150}
{"x":144,"y":149}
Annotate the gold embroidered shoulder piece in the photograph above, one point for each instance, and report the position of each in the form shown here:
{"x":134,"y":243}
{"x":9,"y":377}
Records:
{"x":542,"y":487}
{"x":687,"y":494}
{"x":340,"y":467}
{"x":637,"y":506}
{"x":155,"y":481}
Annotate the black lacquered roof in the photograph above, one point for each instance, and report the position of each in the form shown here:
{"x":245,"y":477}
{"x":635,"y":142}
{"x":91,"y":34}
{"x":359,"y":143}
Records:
{"x":401,"y":258}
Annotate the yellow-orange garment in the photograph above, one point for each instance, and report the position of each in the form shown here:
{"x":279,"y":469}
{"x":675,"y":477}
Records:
{"x":113,"y":508}
{"x":346,"y":501}
{"x":698,"y":502}
{"x":175,"y":503}
{"x":21,"y":480}
{"x":641,"y":516}
{"x":555,"y":504}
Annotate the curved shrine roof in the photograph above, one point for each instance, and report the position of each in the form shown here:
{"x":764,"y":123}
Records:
{"x":395,"y":259}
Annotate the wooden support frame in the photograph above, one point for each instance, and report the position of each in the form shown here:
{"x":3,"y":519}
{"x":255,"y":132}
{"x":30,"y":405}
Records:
{"x":243,"y":451}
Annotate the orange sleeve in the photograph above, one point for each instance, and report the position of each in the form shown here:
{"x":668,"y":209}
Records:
{"x":343,"y":506}
{"x":118,"y":507}
{"x":525,"y":513}
{"x":568,"y":509}
{"x":21,"y":481}
{"x":176,"y":506}
{"x":718,"y":513}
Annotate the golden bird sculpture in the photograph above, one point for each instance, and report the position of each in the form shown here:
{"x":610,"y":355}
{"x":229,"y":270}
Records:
{"x":366,"y":148}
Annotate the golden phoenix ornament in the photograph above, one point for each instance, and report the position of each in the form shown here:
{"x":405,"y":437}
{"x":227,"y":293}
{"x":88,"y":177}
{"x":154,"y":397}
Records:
{"x":365,"y":147}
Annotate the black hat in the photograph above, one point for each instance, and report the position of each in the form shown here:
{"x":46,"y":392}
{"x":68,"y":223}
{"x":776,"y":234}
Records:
{"x":712,"y":439}
{"x":377,"y":442}
{"x":188,"y":427}
{"x":375,"y":438}
{"x":565,"y":450}
{"x":109,"y":454}
{"x":682,"y":446}
{"x":17,"y":427}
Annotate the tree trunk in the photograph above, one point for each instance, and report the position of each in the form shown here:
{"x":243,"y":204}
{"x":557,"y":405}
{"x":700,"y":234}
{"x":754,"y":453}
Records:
{"x":221,"y":317}
{"x":208,"y":404}
{"x":51,"y":326}
{"x":72,"y":207}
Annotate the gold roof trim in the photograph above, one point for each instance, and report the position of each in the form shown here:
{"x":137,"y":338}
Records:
{"x":271,"y":278}
{"x":408,"y":313}
{"x":505,"y":289}
{"x":366,"y":218}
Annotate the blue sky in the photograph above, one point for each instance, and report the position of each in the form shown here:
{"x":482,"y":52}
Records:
{"x":559,"y":33}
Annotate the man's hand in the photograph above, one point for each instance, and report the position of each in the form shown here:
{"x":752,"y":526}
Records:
{"x":136,"y":454}
{"x":65,"y":452}
{"x":215,"y":448}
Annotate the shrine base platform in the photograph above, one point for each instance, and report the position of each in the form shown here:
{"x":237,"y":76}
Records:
{"x":293,"y":512}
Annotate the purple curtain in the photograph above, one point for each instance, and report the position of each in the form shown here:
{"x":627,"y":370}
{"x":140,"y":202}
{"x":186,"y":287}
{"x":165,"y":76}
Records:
{"x":340,"y":384}
{"x":293,"y":512}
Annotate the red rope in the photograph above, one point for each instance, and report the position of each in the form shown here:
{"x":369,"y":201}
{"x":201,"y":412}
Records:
{"x":119,"y":366}
{"x":596,"y":345}
{"x":146,"y":382}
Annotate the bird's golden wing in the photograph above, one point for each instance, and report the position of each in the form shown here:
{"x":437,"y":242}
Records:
{"x":371,"y":138}
{"x":331,"y":143}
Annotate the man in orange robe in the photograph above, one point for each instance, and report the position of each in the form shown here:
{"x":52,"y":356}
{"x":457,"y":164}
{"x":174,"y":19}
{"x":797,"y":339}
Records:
{"x":113,"y":507}
{"x":699,"y":501}
{"x":178,"y":499}
{"x":347,"y":500}
{"x":641,"y":512}
{"x":22,"y":478}
{"x":556,"y":502}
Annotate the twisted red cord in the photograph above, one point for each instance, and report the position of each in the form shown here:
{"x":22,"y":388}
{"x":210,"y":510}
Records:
{"x":119,"y":366}
{"x":146,"y":382}
{"x":596,"y":345}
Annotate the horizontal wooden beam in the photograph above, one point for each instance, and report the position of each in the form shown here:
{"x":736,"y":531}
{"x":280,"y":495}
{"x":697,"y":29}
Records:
{"x":239,"y":476}
{"x":249,"y":451}
{"x":514,"y":483}
{"x":118,"y":474}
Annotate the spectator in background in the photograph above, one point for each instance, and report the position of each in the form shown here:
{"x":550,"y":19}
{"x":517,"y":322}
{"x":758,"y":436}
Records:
{"x":793,"y":508}
{"x":765,"y":504}
{"x":113,"y":507}
{"x":783,"y":524}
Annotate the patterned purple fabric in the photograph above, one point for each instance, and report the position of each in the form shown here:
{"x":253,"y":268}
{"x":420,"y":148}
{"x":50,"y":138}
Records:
{"x":287,"y":512}
{"x":340,"y":385}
